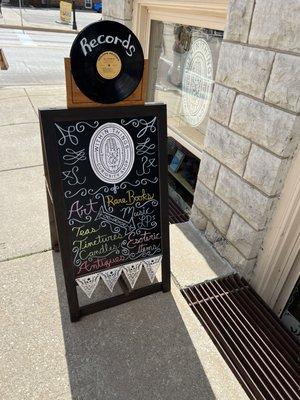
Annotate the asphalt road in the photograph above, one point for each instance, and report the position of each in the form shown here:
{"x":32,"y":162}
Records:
{"x":49,"y":16}
{"x":34,"y":58}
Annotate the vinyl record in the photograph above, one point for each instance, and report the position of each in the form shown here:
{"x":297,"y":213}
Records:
{"x":107,"y":61}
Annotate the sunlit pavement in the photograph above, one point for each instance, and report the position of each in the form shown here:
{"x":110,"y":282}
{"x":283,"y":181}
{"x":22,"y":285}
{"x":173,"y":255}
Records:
{"x":34,"y":57}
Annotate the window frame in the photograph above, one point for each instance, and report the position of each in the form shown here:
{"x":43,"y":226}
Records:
{"x":199,"y":13}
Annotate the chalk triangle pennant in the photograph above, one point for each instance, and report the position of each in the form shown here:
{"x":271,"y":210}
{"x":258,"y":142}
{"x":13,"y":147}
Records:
{"x":110,"y":277}
{"x":151,"y":266}
{"x":132,"y":272}
{"x":88,"y":283}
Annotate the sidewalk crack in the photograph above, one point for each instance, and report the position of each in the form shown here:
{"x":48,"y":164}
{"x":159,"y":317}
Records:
{"x":31,"y":102}
{"x":25,"y":255}
{"x":18,"y":168}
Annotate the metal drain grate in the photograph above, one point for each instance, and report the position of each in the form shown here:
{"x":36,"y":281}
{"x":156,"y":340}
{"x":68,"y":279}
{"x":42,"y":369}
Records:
{"x":258,"y":349}
{"x":176,"y":214}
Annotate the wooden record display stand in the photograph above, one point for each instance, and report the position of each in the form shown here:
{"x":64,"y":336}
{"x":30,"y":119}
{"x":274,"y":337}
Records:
{"x":76,"y":99}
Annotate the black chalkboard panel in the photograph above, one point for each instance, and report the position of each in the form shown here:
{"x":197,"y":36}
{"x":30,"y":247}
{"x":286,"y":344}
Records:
{"x":107,"y":170}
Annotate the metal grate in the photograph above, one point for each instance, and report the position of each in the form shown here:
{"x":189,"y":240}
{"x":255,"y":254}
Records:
{"x":258,"y":349}
{"x":176,"y":214}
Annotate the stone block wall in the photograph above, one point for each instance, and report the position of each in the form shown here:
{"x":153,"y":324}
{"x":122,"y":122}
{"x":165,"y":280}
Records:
{"x":118,"y":10}
{"x":253,"y":129}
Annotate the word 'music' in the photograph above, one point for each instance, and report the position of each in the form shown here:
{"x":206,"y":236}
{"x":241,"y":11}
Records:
{"x":101,"y":39}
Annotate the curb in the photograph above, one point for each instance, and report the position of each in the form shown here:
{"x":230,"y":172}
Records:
{"x":35,"y":28}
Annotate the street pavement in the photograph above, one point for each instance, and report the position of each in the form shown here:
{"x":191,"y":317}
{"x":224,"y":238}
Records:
{"x":149,"y":349}
{"x":34,"y":57}
{"x":44,"y":18}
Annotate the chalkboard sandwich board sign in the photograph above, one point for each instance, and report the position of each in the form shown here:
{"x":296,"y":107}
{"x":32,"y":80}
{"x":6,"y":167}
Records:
{"x":107,"y":173}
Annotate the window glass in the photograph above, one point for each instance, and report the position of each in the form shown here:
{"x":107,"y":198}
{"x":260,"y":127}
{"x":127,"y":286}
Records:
{"x":183,"y":62}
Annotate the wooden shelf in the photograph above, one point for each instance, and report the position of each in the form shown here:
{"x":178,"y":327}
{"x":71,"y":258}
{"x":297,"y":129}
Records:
{"x":182,"y":181}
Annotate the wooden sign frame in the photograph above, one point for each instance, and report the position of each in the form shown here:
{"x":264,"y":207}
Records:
{"x":76,"y":99}
{"x":58,"y":227}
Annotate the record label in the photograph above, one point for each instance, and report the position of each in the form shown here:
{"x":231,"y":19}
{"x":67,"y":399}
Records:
{"x":109,"y":65}
{"x":107,"y":61}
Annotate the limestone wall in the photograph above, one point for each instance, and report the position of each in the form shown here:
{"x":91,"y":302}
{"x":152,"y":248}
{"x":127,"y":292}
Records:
{"x":118,"y":10}
{"x":253,"y":129}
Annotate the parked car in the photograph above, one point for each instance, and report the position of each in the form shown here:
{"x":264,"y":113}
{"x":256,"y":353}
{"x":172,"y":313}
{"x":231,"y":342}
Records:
{"x":97,"y":7}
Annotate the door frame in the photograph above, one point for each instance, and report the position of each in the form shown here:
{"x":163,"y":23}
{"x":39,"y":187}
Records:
{"x":276,"y":272}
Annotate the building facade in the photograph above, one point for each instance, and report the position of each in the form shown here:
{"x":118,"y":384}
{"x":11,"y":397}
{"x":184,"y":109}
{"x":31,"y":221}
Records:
{"x":229,"y":72}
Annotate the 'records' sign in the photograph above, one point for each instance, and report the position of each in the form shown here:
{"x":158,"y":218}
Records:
{"x":107,"y":62}
{"x":88,"y":46}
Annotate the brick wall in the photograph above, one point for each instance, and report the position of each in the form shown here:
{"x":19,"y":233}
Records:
{"x":252,"y":133}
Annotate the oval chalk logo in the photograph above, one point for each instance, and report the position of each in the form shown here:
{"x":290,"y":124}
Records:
{"x":111,"y":153}
{"x":197,"y":82}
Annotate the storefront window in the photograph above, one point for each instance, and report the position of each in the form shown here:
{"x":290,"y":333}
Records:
{"x":183,"y":61}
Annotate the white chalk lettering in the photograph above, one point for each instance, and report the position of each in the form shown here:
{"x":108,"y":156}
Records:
{"x":87,"y":47}
{"x":84,"y":44}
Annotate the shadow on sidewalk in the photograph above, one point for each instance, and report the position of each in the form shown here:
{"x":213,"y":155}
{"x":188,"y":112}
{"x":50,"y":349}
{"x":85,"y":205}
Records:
{"x":140,"y":350}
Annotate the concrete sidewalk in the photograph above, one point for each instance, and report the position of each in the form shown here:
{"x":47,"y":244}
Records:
{"x":149,"y":349}
{"x":43,"y":19}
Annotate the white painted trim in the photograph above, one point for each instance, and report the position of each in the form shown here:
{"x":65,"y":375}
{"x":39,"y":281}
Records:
{"x":203,"y":13}
{"x":282,"y":243}
{"x":288,"y":285}
{"x":185,"y":143}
